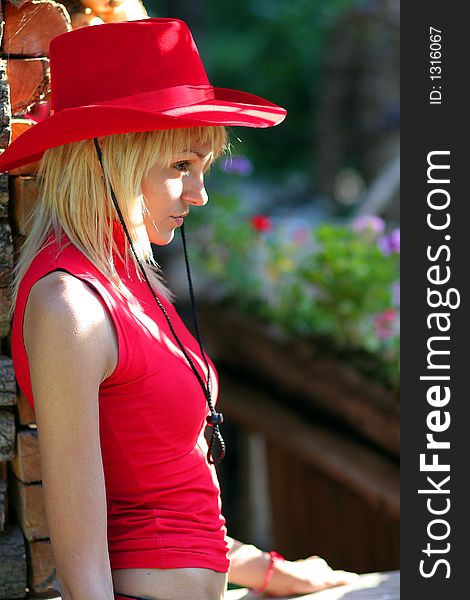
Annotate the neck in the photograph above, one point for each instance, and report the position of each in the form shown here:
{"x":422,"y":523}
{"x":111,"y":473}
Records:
{"x":120,"y":237}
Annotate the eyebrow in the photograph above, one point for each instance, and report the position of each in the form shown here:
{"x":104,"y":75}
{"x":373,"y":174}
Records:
{"x":198,"y":154}
{"x":202,"y":157}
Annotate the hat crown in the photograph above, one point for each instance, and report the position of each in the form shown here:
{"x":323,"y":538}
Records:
{"x":100,"y":63}
{"x":143,"y":75}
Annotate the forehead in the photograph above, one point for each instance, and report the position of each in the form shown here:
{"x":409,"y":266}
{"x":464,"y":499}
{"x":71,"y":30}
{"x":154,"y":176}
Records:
{"x":204,"y":140}
{"x":202,"y":150}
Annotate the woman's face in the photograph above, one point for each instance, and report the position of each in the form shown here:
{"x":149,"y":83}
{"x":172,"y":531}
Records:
{"x":169,"y":192}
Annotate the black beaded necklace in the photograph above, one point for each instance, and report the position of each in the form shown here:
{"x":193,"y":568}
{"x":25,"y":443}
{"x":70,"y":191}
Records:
{"x":215,"y":418}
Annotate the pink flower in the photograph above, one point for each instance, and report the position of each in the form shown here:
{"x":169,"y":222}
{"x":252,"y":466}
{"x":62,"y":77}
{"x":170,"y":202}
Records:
{"x":368,"y":222}
{"x":301,"y":235}
{"x":390,"y":243}
{"x":383,"y":323}
{"x":261,"y":223}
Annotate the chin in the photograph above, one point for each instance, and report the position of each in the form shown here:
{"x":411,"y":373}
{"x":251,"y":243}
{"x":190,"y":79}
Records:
{"x":163,"y":241}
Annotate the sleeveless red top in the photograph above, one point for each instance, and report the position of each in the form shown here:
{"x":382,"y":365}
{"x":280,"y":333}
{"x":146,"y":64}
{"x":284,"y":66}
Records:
{"x":163,"y":497}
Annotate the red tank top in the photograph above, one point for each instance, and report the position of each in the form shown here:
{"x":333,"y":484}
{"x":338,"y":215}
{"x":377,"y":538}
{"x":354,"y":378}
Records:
{"x":163,"y":497}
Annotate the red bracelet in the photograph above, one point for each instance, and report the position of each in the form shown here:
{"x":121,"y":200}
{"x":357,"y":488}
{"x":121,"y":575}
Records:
{"x":274,"y":556}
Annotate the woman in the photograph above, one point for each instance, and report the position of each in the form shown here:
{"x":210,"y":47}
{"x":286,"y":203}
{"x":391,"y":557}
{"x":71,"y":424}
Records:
{"x":121,"y":389}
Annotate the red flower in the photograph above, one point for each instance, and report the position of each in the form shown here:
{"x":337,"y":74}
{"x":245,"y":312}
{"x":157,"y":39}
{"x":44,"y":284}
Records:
{"x":261,"y":223}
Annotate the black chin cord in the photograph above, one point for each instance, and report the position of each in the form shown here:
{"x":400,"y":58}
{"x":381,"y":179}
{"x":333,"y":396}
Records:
{"x":215,"y":418}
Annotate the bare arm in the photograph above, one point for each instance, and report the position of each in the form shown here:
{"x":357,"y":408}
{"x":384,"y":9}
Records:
{"x":249,"y":565}
{"x":67,"y":338}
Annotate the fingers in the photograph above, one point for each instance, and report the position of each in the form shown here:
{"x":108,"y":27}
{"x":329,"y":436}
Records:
{"x":307,"y":575}
{"x":342,"y":577}
{"x":323,"y":576}
{"x":315,"y":559}
{"x":317,"y":563}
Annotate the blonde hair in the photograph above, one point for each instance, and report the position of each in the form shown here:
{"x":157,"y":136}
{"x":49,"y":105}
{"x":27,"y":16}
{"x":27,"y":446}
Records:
{"x":73,"y":199}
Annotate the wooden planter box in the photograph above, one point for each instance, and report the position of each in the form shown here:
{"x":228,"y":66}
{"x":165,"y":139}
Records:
{"x":299,"y":369}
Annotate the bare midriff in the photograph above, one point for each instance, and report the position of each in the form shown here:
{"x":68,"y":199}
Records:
{"x":171,"y":584}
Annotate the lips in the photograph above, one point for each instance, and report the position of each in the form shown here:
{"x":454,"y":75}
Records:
{"x":179,"y":220}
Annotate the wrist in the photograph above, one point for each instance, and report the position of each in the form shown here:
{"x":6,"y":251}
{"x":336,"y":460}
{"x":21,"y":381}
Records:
{"x":274,"y":558}
{"x":248,"y":565}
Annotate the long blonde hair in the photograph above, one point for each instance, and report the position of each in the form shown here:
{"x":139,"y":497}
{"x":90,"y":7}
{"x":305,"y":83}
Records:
{"x":73,"y":199}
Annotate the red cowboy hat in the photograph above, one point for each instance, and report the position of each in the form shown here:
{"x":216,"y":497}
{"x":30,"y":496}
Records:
{"x":132,"y":76}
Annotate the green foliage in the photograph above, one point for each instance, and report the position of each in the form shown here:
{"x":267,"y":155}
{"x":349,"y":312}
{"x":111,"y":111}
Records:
{"x":271,"y":48}
{"x":331,"y":284}
{"x":352,"y":278}
{"x":223,"y":255}
{"x":274,"y":49}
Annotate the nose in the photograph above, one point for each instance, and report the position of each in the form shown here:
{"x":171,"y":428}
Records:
{"x":194,"y":191}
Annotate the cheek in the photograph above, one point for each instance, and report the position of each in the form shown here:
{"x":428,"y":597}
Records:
{"x":161,"y":191}
{"x":172,"y":186}
{"x":168,"y":194}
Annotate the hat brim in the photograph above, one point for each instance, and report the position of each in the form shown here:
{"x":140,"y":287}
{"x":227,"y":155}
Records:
{"x":228,"y":107}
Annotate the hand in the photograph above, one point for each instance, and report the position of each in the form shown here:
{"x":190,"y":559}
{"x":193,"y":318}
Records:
{"x":305,"y":576}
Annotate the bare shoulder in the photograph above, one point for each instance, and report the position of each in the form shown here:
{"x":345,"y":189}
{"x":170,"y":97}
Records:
{"x":64,"y":310}
{"x":60,"y":291}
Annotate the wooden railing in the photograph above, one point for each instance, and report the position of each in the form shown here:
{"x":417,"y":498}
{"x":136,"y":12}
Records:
{"x":333,"y":484}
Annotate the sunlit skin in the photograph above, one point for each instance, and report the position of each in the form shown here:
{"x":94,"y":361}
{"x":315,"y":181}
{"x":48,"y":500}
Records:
{"x":169,"y":192}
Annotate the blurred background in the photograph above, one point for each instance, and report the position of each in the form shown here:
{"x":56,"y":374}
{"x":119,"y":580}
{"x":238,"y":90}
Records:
{"x":295,"y":263}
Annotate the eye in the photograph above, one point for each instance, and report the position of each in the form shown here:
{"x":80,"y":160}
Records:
{"x":182,"y":166}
